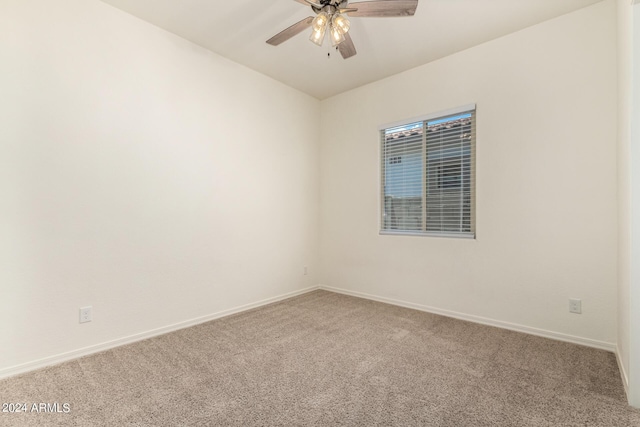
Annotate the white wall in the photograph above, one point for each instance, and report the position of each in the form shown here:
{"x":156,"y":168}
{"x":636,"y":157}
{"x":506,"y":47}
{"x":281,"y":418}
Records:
{"x":634,"y":155}
{"x":142,"y":175}
{"x":629,"y":197}
{"x":546,"y":183}
{"x":625,"y":36}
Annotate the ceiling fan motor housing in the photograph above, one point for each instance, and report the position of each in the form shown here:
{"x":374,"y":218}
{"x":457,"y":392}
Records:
{"x":329,"y":6}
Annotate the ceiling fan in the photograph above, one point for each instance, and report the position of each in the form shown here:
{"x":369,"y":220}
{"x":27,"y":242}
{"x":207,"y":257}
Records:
{"x":330,"y":16}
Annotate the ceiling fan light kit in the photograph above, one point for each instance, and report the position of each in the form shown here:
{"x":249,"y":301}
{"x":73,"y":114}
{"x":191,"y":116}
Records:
{"x":330,"y":16}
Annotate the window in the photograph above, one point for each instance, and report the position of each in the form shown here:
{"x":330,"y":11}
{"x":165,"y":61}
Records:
{"x":428,"y":175}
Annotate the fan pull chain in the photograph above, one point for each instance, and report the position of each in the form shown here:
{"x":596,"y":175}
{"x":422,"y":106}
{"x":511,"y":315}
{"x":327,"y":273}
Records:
{"x":329,"y":52}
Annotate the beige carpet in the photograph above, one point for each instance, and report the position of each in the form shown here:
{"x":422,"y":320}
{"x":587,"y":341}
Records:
{"x":328,"y":359}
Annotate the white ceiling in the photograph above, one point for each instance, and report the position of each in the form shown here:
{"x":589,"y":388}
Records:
{"x":238,"y":29}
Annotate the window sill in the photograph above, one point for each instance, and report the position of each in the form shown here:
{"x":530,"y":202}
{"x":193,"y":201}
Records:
{"x":469,"y":236}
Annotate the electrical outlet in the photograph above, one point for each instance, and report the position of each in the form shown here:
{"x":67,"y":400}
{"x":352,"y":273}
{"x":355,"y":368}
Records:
{"x":306,"y":270}
{"x":85,"y":314}
{"x":575,"y":306}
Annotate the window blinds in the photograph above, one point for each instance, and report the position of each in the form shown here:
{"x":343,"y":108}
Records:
{"x":428,"y":175}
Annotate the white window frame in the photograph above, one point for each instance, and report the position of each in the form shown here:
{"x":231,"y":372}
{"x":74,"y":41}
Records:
{"x":381,"y":182}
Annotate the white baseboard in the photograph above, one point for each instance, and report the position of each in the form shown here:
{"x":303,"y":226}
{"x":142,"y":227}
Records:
{"x":623,"y":372}
{"x":74,"y":354}
{"x":602,"y":345}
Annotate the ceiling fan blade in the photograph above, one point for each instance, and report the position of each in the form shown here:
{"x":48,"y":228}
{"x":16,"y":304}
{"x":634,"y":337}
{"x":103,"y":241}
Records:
{"x":384,"y":8}
{"x":347,"y":48}
{"x":293,"y":30}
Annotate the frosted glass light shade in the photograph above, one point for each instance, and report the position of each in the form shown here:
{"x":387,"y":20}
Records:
{"x":337,"y":36}
{"x":320,"y":21}
{"x":341,"y":23}
{"x":317,"y":36}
